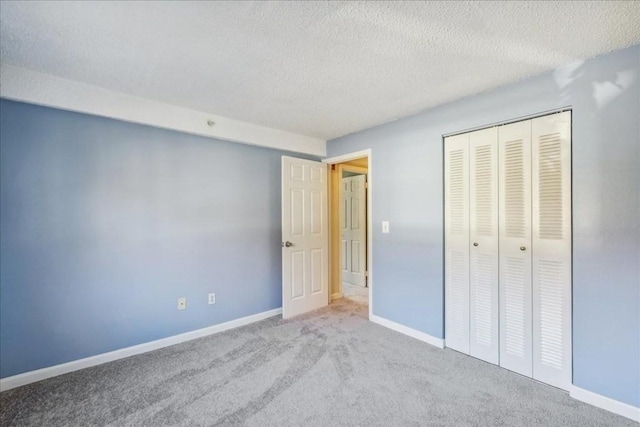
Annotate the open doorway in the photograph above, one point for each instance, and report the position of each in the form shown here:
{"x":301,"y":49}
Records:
{"x":350,"y":228}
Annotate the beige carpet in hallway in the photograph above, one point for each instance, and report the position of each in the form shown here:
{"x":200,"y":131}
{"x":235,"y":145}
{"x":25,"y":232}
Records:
{"x":355,"y":293}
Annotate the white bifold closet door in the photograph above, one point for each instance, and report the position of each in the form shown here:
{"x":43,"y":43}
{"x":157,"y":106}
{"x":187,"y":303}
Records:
{"x":456,"y":275}
{"x":551,"y":241}
{"x":483,"y":266}
{"x":514,"y":148}
{"x":508,"y":246}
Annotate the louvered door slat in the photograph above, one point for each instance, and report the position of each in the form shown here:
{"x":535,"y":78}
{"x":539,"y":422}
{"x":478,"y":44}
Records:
{"x":456,"y":149}
{"x":551,"y":184}
{"x":514,"y":154}
{"x":483,"y":280}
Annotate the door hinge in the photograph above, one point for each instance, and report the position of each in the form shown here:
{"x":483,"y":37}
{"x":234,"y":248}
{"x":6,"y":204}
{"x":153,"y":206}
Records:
{"x":366,"y":185}
{"x":366,"y":274}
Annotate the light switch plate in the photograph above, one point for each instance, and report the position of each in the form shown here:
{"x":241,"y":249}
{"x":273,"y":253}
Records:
{"x":385,"y":226}
{"x":182,"y":303}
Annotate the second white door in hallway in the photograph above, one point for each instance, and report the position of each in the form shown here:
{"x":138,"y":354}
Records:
{"x":353,"y":223}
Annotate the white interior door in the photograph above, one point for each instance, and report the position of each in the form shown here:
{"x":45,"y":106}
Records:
{"x":353,"y":221}
{"x":304,"y":236}
{"x":483,"y":274}
{"x":551,"y":185}
{"x":514,"y":153}
{"x":456,"y":216}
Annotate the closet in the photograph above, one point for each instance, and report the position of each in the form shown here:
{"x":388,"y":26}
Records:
{"x":508,"y":246}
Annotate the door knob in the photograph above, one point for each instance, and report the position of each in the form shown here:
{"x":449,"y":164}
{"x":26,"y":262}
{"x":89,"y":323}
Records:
{"x":522,"y":248}
{"x":288,"y":244}
{"x":475,"y":243}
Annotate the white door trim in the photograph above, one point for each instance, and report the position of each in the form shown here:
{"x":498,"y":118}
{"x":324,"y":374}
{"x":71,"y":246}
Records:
{"x":345,"y":158}
{"x":349,"y":156}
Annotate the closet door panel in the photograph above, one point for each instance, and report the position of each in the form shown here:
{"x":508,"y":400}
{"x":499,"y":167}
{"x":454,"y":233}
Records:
{"x":514,"y":169}
{"x":551,"y":187}
{"x":483,"y":279}
{"x":456,"y":184}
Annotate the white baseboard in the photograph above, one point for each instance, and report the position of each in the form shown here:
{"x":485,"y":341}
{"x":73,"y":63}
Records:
{"x":606,"y":403}
{"x":336,"y":296}
{"x":597,"y":400}
{"x":53,"y":371}
{"x":438,"y":342}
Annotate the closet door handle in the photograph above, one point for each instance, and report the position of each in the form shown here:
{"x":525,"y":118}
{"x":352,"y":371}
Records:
{"x":475,"y":243}
{"x":522,"y":248}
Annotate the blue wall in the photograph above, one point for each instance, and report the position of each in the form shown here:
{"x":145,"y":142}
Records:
{"x":407,"y":191}
{"x":104,"y":224}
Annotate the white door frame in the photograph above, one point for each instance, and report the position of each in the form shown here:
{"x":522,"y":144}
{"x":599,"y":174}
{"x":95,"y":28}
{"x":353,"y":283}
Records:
{"x":345,"y":158}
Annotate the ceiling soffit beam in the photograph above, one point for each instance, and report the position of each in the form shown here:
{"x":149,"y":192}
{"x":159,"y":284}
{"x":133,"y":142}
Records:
{"x":29,"y":86}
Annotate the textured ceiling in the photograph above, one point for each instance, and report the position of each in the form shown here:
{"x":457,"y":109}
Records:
{"x":321,"y":69}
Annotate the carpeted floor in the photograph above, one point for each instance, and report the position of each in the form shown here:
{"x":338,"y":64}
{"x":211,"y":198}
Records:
{"x":358,"y":294}
{"x":328,"y":368}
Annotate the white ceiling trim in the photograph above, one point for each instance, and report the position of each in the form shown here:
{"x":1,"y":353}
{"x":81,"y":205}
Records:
{"x":33,"y":87}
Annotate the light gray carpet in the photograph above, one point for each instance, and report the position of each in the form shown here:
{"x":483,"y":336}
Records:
{"x":329,"y":368}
